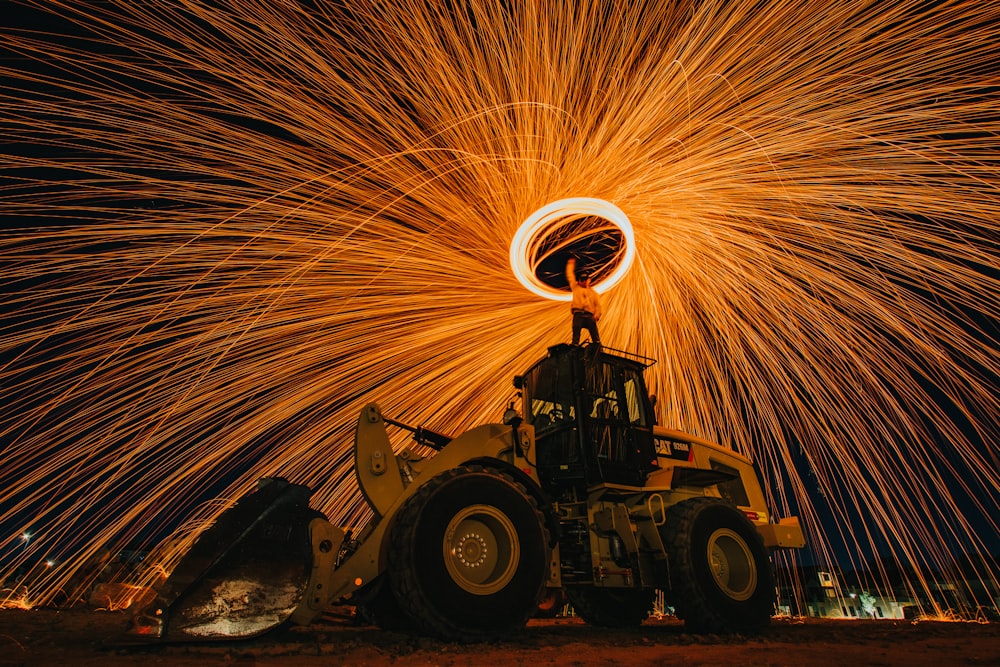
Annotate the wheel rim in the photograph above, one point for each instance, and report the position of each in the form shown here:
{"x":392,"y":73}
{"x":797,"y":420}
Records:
{"x":732,"y":565}
{"x":481,"y":549}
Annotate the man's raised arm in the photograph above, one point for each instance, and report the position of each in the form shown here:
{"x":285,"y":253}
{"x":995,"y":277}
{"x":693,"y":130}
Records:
{"x":571,"y":272}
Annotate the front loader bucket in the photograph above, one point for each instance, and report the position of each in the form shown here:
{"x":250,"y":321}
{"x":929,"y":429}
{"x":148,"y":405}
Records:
{"x":243,"y":576}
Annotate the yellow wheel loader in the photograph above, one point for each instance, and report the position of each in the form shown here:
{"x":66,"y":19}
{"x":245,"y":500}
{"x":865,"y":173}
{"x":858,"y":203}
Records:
{"x":577,"y":496}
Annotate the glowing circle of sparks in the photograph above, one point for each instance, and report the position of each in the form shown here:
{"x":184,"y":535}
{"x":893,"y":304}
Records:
{"x":546,"y":220}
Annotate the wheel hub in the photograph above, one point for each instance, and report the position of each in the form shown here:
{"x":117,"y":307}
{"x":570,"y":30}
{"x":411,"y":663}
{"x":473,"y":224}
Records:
{"x":472,"y":550}
{"x":732,"y":565}
{"x":481,"y":549}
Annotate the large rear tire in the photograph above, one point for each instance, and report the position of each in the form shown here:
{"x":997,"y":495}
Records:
{"x":720,"y":573}
{"x":469,"y":555}
{"x":612,"y":607}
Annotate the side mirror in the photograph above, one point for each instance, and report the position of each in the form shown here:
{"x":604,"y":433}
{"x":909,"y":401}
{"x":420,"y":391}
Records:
{"x":511,"y":415}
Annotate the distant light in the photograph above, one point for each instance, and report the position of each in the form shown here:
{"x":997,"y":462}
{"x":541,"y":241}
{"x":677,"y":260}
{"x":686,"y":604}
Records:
{"x":50,"y":563}
{"x":25,"y":537}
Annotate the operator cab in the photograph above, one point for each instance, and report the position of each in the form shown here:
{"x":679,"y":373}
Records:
{"x":592,"y":416}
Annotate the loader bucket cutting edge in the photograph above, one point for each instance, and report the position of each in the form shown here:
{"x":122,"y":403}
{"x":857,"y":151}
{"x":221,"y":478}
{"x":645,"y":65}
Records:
{"x":243,"y":576}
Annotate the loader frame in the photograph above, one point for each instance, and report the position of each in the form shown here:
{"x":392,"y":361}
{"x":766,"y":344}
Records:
{"x":584,"y":494}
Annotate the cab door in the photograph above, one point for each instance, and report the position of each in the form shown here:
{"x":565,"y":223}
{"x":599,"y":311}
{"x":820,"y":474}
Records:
{"x":617,"y":421}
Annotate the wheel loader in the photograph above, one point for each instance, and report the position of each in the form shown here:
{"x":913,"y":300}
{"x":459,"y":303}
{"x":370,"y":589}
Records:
{"x":579,"y":494}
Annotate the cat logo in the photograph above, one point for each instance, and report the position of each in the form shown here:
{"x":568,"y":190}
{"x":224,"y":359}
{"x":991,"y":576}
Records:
{"x":679,"y":451}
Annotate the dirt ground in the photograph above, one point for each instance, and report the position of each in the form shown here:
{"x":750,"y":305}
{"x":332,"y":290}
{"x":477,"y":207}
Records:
{"x":84,"y":638}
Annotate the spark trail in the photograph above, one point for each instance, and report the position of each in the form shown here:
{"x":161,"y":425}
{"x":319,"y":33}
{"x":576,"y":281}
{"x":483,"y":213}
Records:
{"x":233,"y":224}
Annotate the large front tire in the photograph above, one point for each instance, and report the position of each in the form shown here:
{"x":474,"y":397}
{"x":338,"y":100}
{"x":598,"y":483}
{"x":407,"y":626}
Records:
{"x":469,"y":555}
{"x":720,"y":573}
